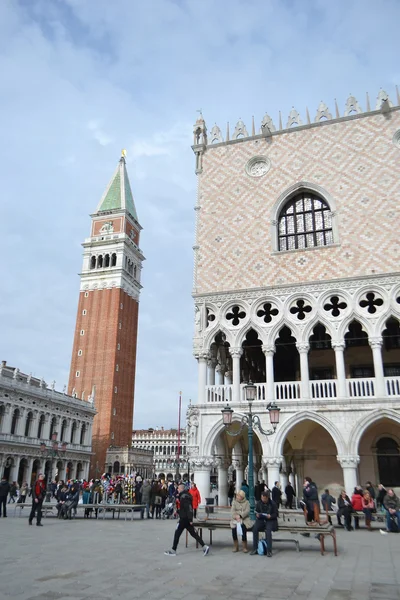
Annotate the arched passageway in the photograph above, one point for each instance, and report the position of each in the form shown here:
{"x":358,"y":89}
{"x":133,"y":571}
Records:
{"x":379,"y":451}
{"x":310,"y":451}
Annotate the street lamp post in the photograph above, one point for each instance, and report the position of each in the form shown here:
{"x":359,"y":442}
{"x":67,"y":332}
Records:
{"x":252,"y":421}
{"x":52,"y":452}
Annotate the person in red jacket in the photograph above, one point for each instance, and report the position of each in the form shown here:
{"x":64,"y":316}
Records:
{"x":357,"y":504}
{"x":196,"y":498}
{"x":38,"y":495}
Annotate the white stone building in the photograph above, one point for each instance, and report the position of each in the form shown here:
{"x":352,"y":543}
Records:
{"x":164,"y":444}
{"x":297,"y":288}
{"x":126,"y":460}
{"x":42,"y":430}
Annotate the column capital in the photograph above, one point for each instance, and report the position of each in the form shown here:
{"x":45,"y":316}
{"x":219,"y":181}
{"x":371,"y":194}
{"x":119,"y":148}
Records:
{"x":272,"y":461}
{"x":203,"y":355}
{"x":302,"y":347}
{"x":236,"y":352}
{"x":237,"y":463}
{"x":212,"y":362}
{"x":375,"y":342}
{"x":348,"y":461}
{"x":220,"y":368}
{"x":339,"y":345}
{"x":202,"y":462}
{"x":268,"y":349}
{"x":222,"y":462}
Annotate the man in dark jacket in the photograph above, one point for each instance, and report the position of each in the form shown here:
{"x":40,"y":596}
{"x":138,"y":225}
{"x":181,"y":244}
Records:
{"x":310,"y":493}
{"x":290,"y":494}
{"x":392,"y":505}
{"x":185,"y":522}
{"x":266,"y":520}
{"x":38,"y":495}
{"x":327,"y":500}
{"x":277,"y":494}
{"x":4,"y":490}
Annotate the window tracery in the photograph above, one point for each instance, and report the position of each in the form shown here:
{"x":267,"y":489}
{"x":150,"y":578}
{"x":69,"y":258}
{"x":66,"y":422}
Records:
{"x":305,"y":222}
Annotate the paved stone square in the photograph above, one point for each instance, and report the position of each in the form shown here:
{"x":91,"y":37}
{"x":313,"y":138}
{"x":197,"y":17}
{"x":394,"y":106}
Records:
{"x":102,"y":560}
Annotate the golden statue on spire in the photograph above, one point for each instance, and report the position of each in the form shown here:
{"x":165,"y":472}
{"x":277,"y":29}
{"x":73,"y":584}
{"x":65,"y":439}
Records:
{"x":123,"y":153}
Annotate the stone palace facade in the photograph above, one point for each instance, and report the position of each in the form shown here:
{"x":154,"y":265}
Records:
{"x":164,"y":445}
{"x":297,"y":288}
{"x":33,"y":418}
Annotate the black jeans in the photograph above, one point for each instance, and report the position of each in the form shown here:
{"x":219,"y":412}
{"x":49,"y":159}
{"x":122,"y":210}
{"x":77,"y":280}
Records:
{"x":289,"y":502}
{"x":3,"y":503}
{"x":182,"y":525}
{"x":36,"y":508}
{"x":263,"y":525}
{"x":244,"y":533}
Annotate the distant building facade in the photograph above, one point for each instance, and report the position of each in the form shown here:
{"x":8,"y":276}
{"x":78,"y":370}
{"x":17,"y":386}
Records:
{"x":128,"y":461}
{"x":33,"y":418}
{"x":297,"y":288}
{"x":164,"y":445}
{"x":103,"y":363}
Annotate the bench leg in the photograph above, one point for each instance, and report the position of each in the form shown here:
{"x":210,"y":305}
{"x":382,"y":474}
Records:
{"x":297,"y":545}
{"x":333,"y":534}
{"x":187,"y":535}
{"x":210,"y":537}
{"x":322,"y":542}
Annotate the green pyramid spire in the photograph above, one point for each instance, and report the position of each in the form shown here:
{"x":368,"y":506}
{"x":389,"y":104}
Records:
{"x":118,"y":194}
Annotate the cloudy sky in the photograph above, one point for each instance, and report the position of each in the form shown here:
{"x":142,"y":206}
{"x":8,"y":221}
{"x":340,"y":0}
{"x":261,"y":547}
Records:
{"x":81,"y":79}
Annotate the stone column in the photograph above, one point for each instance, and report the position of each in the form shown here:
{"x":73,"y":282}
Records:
{"x":15,"y":469}
{"x":340,"y":369}
{"x":349,"y":465}
{"x":303,"y":349}
{"x":228,"y":377}
{"x":53,"y":469}
{"x":201,"y":466}
{"x":220,"y":370}
{"x":20,"y":428}
{"x":273,"y":465}
{"x":211,"y":364}
{"x":223,"y":482}
{"x":28,"y":472}
{"x":236,"y":353}
{"x":46,"y":427}
{"x":67,"y":434}
{"x":239,"y":468}
{"x":264,"y":473}
{"x":376,"y":346}
{"x":202,"y":363}
{"x":283,"y":476}
{"x":7,"y":419}
{"x":89,"y":433}
{"x":269,"y":351}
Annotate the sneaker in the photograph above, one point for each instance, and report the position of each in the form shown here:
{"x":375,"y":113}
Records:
{"x":170,"y":553}
{"x":206,"y":550}
{"x":269,"y":553}
{"x":383,"y":532}
{"x":253,"y":552}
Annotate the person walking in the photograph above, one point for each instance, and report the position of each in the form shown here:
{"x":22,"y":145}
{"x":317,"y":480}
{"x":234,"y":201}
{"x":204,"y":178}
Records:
{"x":185,"y":522}
{"x":23,"y":492}
{"x":240,"y":512}
{"x":196,"y":498}
{"x":13,"y":492}
{"x":4,"y":491}
{"x":266,"y":520}
{"x":290,"y":494}
{"x":38,"y":496}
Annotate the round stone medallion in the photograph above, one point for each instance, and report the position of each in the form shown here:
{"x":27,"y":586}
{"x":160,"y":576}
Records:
{"x":258,"y":166}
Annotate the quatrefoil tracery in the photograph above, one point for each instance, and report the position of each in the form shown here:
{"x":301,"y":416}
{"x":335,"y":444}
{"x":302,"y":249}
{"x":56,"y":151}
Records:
{"x":335,"y":306}
{"x":210,"y":316}
{"x":236,"y":315}
{"x":301,"y":309}
{"x":371,"y":303}
{"x":267,"y":312}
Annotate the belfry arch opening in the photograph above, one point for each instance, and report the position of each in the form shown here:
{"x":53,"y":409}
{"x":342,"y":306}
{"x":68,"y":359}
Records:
{"x":252,"y":362}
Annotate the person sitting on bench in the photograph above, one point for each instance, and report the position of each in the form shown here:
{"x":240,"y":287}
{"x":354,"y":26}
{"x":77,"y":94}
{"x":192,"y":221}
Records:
{"x":266,"y":520}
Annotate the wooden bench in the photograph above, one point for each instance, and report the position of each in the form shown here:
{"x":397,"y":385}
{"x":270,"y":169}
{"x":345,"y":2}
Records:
{"x":289,"y":521}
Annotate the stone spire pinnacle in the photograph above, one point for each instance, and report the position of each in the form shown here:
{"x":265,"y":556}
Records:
{"x":118,"y":194}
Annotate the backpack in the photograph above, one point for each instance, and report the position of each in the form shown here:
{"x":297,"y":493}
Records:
{"x":262,"y":548}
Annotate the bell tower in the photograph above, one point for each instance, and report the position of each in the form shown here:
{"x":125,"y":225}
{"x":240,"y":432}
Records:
{"x":103,"y":361}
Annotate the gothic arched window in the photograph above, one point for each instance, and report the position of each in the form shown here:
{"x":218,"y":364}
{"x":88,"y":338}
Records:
{"x":305,"y":221}
{"x":15,"y":420}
